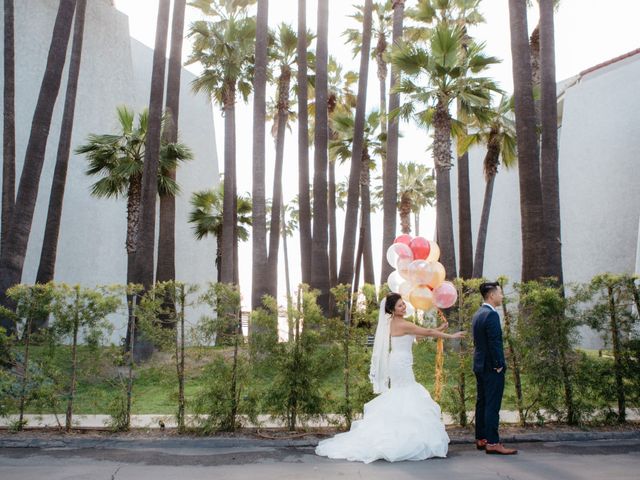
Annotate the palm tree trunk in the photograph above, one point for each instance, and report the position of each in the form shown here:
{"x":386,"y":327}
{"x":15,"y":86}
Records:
{"x":304,"y":202}
{"x":319,"y":250}
{"x":333,"y":227}
{"x":390,"y":179}
{"x":144,"y":262}
{"x":380,"y":51}
{"x":442,"y":162}
{"x":404,"y":209}
{"x":15,"y":247}
{"x":166,"y":267}
{"x":259,"y":276}
{"x":465,"y":236}
{"x":9,"y":125}
{"x":549,"y":144}
{"x":367,"y":252}
{"x":287,"y":276}
{"x":274,"y":232}
{"x":531,"y":210}
{"x":481,"y":241}
{"x":133,"y":222}
{"x":351,"y":218}
{"x":229,"y":204}
{"x":46,"y":269}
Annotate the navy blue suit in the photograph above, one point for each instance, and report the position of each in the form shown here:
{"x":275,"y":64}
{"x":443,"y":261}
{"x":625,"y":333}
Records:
{"x":488,"y":356}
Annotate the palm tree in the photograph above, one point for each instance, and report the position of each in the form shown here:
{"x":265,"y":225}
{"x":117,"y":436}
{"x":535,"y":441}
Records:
{"x":166,"y":267}
{"x":381,"y":29}
{"x":319,"y":251}
{"x":531,"y":208}
{"x":284,"y":54}
{"x":497,"y":132}
{"x":143,"y":260}
{"x":225,"y":48}
{"x":9,"y":125}
{"x":349,"y":238}
{"x":259,"y":273}
{"x":303,"y":146}
{"x":416,"y":189}
{"x":206,"y":217}
{"x":342,"y":148}
{"x":119,"y":160}
{"x":15,"y":247}
{"x":445,"y":65}
{"x":390,"y":177}
{"x":47,"y":265}
{"x":549,"y":144}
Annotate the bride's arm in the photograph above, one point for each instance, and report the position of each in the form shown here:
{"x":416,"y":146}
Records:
{"x":413,"y":329}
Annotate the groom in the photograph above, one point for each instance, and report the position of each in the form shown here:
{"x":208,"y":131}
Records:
{"x":489,"y":367}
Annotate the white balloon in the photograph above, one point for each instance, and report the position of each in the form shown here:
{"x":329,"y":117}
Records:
{"x":396,"y":251}
{"x":394,"y":281}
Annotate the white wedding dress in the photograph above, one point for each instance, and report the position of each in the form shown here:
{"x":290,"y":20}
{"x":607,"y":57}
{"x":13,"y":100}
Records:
{"x":402,"y":423}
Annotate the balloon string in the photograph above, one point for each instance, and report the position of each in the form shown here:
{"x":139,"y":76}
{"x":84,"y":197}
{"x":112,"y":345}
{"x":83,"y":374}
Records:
{"x":439,"y":361}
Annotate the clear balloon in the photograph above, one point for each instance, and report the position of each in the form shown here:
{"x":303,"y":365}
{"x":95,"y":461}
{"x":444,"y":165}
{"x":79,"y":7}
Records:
{"x":405,"y":289}
{"x":394,"y":281}
{"x":404,"y":238}
{"x":397,"y":251}
{"x":420,"y":272}
{"x":438,"y":274}
{"x":420,"y":248}
{"x":434,"y":253}
{"x":403,"y":266}
{"x":421,"y":297}
{"x":410,"y":310}
{"x":445,"y":295}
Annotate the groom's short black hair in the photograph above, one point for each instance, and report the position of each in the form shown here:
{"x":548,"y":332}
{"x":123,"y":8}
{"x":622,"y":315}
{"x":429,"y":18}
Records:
{"x":487,"y":287}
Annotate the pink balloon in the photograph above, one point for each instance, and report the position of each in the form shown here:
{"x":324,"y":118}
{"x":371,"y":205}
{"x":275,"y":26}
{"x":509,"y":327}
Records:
{"x":420,"y":272}
{"x":404,"y":238}
{"x":445,"y":295}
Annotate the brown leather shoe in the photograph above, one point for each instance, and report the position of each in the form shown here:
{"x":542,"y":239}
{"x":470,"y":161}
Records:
{"x":481,"y":444}
{"x":499,"y":449}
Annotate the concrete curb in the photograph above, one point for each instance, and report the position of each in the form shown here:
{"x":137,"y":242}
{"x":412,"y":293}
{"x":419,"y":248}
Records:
{"x":209,"y":443}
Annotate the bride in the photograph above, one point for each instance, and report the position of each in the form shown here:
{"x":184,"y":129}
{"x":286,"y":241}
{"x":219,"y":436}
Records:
{"x":403,"y":422}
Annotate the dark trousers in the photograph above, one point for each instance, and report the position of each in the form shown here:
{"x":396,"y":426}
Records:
{"x":490,"y":387}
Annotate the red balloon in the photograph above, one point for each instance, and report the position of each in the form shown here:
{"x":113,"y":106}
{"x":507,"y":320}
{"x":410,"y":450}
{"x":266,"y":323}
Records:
{"x":404,"y":238}
{"x":420,"y":248}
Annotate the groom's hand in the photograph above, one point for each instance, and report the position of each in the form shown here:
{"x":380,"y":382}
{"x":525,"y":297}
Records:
{"x":498,"y":370}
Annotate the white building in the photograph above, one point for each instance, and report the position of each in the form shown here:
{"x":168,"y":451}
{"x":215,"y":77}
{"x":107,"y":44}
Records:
{"x":599,"y":168}
{"x":115,"y":70}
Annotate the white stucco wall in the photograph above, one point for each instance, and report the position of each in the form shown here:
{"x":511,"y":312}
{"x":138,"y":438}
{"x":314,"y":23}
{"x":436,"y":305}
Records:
{"x":115,"y":70}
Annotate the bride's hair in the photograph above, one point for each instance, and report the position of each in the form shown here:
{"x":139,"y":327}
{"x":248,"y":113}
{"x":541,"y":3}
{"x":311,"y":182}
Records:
{"x":390,"y":303}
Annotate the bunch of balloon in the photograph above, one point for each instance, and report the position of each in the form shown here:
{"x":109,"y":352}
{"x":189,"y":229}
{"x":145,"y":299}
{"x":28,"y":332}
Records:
{"x":420,"y":279}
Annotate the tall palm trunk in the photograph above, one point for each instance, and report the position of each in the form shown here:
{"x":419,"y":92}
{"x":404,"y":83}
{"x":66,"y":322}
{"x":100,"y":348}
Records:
{"x":144,"y":261}
{"x":390,"y":179}
{"x":333,"y":226}
{"x":491,"y":166}
{"x":134,"y":194}
{"x":46,"y":269}
{"x":442,"y":162}
{"x":381,"y":48}
{"x":351,"y":218}
{"x":166,"y":267}
{"x":229,"y":203}
{"x":259,"y":277}
{"x":365,"y":205}
{"x":531,"y":210}
{"x":284,"y":83}
{"x":465,"y":236}
{"x":319,"y":250}
{"x":404,"y":209}
{"x":13,"y":255}
{"x":304,"y":202}
{"x":9,"y":124}
{"x":549,"y":145}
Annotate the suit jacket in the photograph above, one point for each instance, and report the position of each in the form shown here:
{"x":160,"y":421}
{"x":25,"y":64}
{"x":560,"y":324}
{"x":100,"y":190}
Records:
{"x":487,"y":338}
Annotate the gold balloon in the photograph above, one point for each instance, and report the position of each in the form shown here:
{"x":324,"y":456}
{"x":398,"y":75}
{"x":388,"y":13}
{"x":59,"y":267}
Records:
{"x":434,"y":253}
{"x":438,"y":274}
{"x":421,"y":297}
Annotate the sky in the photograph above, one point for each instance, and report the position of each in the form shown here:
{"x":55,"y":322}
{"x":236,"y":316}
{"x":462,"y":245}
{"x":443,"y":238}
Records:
{"x":587,"y":32}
